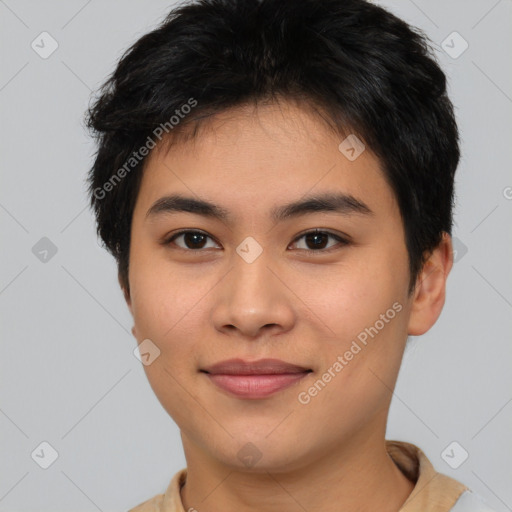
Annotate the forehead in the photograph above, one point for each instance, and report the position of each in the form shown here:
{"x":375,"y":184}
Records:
{"x":249,"y":158}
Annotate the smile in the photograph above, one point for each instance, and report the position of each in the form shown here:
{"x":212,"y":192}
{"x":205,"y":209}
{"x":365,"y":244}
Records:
{"x":255,"y":386}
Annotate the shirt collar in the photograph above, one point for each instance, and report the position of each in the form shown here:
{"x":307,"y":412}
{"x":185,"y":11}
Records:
{"x":433,"y":491}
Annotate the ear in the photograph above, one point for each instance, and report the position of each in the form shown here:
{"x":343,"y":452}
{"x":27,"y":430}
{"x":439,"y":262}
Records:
{"x":430,"y":291}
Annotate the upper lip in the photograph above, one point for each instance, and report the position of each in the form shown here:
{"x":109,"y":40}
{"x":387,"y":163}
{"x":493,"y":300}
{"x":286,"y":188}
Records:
{"x":259,"y":367}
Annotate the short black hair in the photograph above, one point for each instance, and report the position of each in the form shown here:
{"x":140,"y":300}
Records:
{"x":362,"y":69}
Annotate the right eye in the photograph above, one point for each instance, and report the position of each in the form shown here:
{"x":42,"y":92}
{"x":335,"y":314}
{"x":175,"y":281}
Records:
{"x":192,"y":240}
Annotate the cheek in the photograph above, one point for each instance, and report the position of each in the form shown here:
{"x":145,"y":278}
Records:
{"x":168,"y":309}
{"x":157,"y":295}
{"x":365,"y":310}
{"x":166,"y":315}
{"x":355,"y":297}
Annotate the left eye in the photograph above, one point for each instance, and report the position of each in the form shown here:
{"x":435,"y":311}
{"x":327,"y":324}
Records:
{"x":318,"y":240}
{"x":196,"y":240}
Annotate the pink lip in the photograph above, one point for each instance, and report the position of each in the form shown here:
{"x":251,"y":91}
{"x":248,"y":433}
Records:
{"x":255,"y":386}
{"x":254,"y":379}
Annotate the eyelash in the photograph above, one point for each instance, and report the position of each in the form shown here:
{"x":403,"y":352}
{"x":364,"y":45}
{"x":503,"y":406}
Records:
{"x":341,"y":240}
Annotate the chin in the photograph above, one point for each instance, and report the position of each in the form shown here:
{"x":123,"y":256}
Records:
{"x":259,"y":454}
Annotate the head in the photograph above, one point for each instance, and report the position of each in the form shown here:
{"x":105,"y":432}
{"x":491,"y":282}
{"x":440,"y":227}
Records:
{"x":252,"y":124}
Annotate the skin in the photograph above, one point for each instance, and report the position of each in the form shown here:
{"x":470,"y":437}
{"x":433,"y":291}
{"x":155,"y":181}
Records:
{"x":200,"y":308}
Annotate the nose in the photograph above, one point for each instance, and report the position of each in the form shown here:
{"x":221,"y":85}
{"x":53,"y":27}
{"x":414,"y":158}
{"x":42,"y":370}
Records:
{"x":253,"y":300}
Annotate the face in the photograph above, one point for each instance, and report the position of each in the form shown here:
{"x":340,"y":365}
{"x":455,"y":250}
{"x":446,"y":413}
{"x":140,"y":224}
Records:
{"x":254,"y":284}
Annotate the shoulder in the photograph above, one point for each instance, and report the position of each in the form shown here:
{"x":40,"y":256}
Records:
{"x":470,"y":502}
{"x":170,"y":501}
{"x":152,"y":505}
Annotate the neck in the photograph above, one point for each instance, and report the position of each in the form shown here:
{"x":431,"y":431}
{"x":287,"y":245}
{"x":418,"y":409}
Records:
{"x":358,"y":476}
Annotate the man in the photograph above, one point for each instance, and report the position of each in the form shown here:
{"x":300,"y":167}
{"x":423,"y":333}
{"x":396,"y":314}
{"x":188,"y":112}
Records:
{"x":275,"y":180}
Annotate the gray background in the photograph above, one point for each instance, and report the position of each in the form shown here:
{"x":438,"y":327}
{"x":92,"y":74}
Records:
{"x":68,"y":373}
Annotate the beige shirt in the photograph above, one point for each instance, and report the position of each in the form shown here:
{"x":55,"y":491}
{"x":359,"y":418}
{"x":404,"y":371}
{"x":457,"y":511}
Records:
{"x":433,"y":492}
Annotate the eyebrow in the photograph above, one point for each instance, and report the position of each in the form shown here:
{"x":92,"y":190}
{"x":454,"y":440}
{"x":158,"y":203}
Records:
{"x":341,"y":203}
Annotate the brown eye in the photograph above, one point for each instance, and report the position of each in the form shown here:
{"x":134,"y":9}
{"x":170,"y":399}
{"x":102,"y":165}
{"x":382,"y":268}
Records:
{"x":190,"y":240}
{"x":316,"y":241}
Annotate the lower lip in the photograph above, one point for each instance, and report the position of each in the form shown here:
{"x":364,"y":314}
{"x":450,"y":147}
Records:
{"x":255,"y":386}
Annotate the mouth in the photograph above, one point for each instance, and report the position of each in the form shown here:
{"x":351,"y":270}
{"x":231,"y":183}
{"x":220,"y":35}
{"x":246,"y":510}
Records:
{"x":254,"y":379}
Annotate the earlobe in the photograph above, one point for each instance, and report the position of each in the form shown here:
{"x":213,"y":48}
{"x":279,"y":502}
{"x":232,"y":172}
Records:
{"x":430,"y":291}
